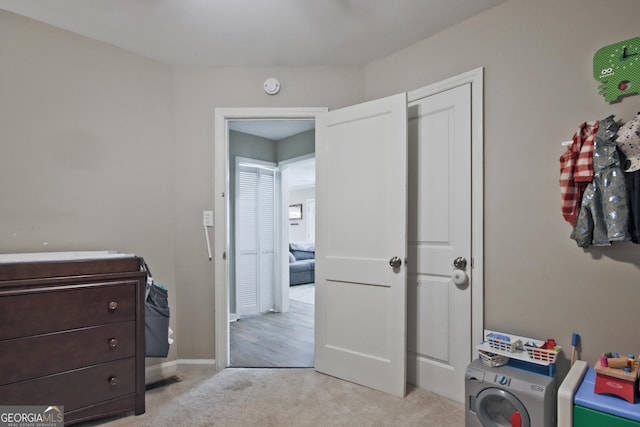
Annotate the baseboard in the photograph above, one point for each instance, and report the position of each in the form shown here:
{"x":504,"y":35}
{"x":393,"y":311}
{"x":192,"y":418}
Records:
{"x":159,"y":372}
{"x":196,"y":361}
{"x":165,"y":370}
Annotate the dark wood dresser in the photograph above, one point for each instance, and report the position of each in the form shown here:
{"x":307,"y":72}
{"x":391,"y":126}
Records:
{"x":72,"y":334}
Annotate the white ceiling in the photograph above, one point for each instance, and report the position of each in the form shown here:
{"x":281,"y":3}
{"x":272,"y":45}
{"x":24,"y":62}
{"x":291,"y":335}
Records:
{"x":255,"y":33}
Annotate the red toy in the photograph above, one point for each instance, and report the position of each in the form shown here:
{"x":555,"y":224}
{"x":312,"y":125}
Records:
{"x":549,"y":344}
{"x":616,"y":381}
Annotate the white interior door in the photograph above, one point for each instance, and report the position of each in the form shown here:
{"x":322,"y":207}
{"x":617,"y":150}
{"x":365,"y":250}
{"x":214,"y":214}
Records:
{"x":440,"y":218}
{"x":361,"y":154}
{"x":267,"y":233}
{"x":255,"y":239}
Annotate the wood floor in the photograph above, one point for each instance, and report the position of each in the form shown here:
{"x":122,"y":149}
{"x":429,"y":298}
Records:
{"x":274,"y":340}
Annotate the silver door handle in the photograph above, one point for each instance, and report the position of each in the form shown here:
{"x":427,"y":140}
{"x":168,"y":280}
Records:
{"x":460,"y":263}
{"x":395,"y":262}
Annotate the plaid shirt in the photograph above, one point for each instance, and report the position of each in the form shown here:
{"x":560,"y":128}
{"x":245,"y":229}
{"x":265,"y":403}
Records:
{"x":576,"y":170}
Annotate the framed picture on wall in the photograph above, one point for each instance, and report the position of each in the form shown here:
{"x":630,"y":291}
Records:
{"x":295,"y":212}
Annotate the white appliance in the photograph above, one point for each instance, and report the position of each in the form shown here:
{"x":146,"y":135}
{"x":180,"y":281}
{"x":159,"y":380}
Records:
{"x":505,"y":396}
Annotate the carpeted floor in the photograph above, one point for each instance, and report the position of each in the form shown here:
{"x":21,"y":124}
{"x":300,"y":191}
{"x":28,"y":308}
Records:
{"x":238,"y":397}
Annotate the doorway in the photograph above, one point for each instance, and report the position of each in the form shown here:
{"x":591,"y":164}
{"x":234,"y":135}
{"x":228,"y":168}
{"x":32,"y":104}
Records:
{"x":275,"y":331}
{"x":265,"y":334}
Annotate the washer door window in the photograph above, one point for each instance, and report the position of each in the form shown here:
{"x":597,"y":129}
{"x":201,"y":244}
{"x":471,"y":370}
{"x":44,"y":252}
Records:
{"x":499,"y":408}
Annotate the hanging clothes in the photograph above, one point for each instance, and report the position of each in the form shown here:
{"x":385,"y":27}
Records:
{"x":576,"y":170}
{"x":628,"y":141}
{"x":633,"y":189}
{"x":604,"y":213}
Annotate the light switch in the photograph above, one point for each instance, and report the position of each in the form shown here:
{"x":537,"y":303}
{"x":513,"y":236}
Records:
{"x":207,"y":218}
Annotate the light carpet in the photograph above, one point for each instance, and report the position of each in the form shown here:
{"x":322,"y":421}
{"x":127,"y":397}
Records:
{"x":239,"y":397}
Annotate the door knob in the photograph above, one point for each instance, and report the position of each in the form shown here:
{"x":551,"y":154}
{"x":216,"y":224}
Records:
{"x":460,"y":263}
{"x":395,"y":262}
{"x":459,"y":275}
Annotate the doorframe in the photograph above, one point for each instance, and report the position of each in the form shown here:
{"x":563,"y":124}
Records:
{"x":221,"y":214}
{"x":476,"y":79}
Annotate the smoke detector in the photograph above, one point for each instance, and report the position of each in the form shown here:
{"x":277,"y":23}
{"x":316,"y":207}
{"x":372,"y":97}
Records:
{"x":271,"y":86}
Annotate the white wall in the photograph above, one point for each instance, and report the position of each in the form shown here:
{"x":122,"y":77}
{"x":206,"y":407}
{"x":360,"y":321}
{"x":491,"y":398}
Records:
{"x":537,"y":58}
{"x":298,"y":228}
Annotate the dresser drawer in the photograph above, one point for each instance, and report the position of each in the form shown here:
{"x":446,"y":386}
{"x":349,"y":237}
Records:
{"x":39,"y":311}
{"x":75,"y":389}
{"x":31,"y":357}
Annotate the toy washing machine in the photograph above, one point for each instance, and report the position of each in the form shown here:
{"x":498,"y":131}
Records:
{"x":507,"y":396}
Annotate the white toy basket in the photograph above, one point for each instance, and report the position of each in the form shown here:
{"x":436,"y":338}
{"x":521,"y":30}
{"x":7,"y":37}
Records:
{"x":503,"y":345}
{"x":492,"y":359}
{"x":542,"y":354}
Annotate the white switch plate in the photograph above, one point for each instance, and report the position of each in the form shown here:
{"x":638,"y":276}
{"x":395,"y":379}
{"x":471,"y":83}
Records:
{"x":207,"y":218}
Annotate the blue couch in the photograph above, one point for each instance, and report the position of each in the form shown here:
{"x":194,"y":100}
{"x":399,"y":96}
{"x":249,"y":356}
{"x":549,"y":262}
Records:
{"x":302,"y":263}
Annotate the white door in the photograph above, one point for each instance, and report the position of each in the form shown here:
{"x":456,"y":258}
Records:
{"x":440,"y":312}
{"x":255,"y":239}
{"x":361,"y":226}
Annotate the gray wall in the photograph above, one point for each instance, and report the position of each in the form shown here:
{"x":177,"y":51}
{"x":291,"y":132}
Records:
{"x":537,"y":58}
{"x":86,"y":148}
{"x":296,"y":145}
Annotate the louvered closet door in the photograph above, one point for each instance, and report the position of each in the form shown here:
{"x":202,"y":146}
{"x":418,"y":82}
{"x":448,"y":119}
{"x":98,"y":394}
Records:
{"x":266,"y":218}
{"x":255,"y":243}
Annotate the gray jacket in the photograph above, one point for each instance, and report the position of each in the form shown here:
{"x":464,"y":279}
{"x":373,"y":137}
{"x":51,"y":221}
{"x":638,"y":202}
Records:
{"x":604,"y":212}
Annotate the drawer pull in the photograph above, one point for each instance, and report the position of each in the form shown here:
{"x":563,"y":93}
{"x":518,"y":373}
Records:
{"x":113,"y":305}
{"x":113,"y":381}
{"x":113,"y":343}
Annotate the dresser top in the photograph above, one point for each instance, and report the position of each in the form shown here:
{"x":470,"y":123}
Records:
{"x":61,"y":256}
{"x":66,"y":264}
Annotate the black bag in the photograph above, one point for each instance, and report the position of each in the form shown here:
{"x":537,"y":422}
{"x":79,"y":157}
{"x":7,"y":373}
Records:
{"x":156,"y":318}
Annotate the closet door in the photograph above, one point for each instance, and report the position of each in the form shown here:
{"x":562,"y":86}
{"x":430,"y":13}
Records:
{"x":266,"y":241}
{"x":255,"y":242}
